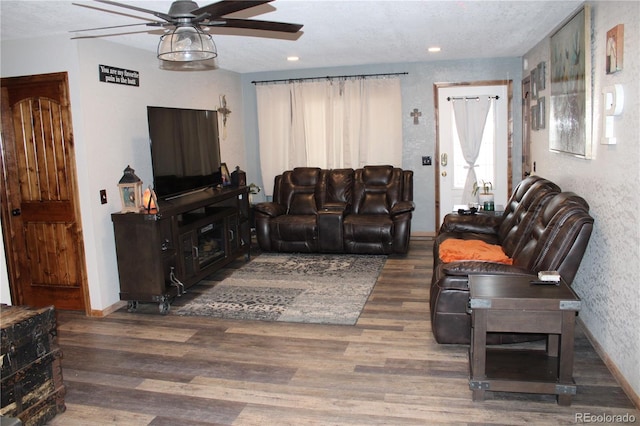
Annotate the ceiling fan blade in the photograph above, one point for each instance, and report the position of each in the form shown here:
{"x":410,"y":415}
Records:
{"x":150,"y":24}
{"x":154,"y":32}
{"x":115,"y":12}
{"x":136,"y":8}
{"x":225,"y":7}
{"x":254,"y":25}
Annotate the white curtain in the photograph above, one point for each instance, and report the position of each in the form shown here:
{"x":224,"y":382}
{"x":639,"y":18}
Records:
{"x":329,"y":124}
{"x":471,"y":117}
{"x":275,"y":129}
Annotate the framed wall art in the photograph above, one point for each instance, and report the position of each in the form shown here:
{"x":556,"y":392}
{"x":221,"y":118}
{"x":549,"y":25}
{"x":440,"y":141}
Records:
{"x":615,"y":44}
{"x":542,"y":75}
{"x":542,"y":113}
{"x":570,"y":98}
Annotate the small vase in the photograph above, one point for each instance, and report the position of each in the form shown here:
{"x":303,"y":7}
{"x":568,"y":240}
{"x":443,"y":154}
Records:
{"x":486,"y":201}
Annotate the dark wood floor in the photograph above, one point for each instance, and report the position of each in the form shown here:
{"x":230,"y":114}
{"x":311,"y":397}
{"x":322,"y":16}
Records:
{"x":148,"y":369}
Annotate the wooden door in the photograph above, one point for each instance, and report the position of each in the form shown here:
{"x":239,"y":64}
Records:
{"x":40,"y":211}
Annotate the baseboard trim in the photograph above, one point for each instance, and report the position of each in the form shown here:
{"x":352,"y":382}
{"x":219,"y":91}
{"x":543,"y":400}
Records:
{"x":422,"y":235}
{"x":108,"y":310}
{"x":617,"y":374}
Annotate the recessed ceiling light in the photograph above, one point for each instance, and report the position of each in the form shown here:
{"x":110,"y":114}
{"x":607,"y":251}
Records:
{"x":434,"y":49}
{"x":292,"y":58}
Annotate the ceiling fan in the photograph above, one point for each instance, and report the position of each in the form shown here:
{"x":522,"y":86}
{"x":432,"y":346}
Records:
{"x":186,"y":23}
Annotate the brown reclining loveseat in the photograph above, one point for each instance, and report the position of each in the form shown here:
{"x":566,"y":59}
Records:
{"x":541,"y":229}
{"x":364,"y":211}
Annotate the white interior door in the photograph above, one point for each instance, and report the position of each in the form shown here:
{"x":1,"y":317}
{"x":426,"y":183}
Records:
{"x":492,"y":163}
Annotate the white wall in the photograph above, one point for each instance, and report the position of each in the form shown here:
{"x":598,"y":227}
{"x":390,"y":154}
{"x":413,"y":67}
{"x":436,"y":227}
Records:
{"x":110,"y":129}
{"x":54,"y":54}
{"x":607,"y":280}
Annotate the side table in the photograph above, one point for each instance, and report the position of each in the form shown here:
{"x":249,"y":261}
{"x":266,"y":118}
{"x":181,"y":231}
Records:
{"x":502,"y":303}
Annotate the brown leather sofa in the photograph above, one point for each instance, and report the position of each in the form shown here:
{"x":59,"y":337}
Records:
{"x":365,"y":211}
{"x":541,"y":229}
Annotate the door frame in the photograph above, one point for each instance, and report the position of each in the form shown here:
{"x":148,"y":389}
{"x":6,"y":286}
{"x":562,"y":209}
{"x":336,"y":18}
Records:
{"x":436,"y":88}
{"x":527,"y":167}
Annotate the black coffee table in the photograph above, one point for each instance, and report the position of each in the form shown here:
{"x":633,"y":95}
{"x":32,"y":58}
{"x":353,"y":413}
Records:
{"x":513,"y":304}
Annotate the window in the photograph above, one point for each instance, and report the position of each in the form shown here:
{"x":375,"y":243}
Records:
{"x":485,"y":164}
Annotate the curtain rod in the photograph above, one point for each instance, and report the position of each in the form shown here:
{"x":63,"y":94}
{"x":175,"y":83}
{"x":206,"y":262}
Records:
{"x":291,"y":80}
{"x":477,"y":98}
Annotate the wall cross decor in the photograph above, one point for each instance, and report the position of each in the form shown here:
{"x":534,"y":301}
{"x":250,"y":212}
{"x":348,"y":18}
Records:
{"x":224,"y":110}
{"x":416,"y":115}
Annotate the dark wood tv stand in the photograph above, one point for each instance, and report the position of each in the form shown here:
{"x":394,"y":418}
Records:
{"x":162,"y":253}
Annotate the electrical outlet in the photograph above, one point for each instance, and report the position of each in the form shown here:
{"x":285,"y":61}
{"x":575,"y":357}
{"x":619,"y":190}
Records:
{"x":103,"y":196}
{"x":426,"y":160}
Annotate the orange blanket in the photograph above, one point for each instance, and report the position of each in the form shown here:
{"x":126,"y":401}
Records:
{"x":452,"y":250}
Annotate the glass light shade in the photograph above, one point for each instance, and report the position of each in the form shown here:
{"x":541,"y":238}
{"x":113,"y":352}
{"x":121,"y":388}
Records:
{"x":209,"y":64}
{"x":185,"y":44}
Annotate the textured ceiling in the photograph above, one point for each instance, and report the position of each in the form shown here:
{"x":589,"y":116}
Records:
{"x":335,"y":33}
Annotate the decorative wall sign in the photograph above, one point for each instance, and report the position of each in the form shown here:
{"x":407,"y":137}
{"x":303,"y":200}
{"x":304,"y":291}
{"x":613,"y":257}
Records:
{"x":109,"y":74}
{"x":615,"y":44}
{"x":570,"y":71}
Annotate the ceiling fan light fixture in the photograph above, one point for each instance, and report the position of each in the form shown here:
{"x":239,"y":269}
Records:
{"x":208,"y":65}
{"x":186,"y":43}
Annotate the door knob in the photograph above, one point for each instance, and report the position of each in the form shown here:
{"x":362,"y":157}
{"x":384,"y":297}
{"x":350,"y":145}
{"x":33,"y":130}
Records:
{"x":16,"y":212}
{"x":444,"y":174}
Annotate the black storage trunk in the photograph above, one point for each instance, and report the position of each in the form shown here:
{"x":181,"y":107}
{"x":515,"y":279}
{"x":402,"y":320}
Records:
{"x":32,"y":386}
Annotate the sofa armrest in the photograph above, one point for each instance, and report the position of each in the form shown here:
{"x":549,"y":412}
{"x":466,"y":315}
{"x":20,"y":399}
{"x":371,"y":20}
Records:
{"x":477,"y":223}
{"x":476,"y":267}
{"x":331,"y":231}
{"x":402,"y":207}
{"x":270,"y":209}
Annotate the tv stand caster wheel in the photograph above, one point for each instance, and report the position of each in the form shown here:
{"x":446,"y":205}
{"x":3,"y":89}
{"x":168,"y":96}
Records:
{"x":132,"y":305}
{"x":164,"y":307}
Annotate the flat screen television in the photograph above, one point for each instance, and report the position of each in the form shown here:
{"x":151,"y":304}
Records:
{"x":185,"y":150}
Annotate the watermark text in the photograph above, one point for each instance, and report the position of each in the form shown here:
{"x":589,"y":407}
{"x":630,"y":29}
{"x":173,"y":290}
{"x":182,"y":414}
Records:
{"x":604,"y":418}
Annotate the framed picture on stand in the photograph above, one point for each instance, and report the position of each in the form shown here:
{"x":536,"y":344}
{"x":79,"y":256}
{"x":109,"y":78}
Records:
{"x":224,"y":172}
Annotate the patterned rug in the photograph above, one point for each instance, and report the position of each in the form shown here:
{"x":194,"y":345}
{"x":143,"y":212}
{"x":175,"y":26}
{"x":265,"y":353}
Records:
{"x":306,"y":288}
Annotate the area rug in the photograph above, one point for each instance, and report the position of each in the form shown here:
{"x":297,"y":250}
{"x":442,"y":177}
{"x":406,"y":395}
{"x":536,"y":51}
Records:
{"x":305,"y":288}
